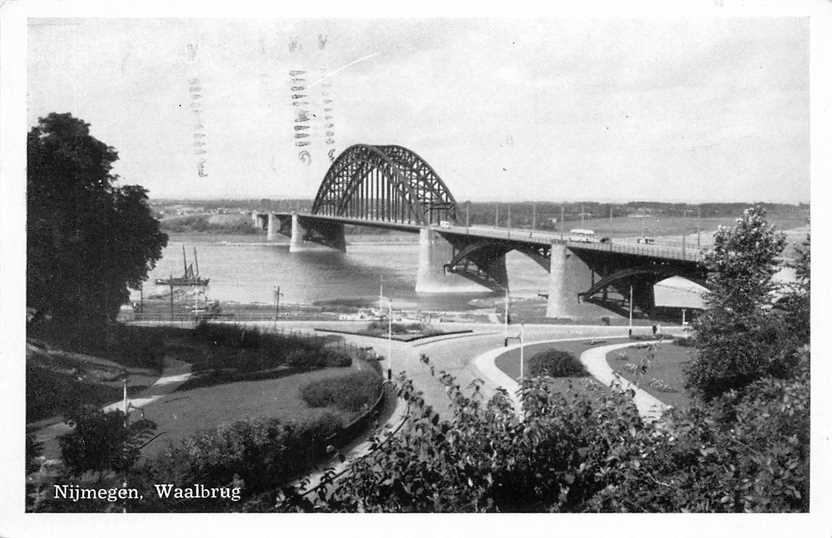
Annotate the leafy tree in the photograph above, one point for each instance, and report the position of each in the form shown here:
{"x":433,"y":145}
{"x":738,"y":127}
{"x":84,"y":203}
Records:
{"x":592,"y":454}
{"x":797,"y":297}
{"x":88,"y":240}
{"x":103,"y":441}
{"x":739,"y":338}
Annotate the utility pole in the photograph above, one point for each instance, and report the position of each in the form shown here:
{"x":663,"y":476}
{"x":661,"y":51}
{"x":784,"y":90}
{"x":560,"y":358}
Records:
{"x":582,"y":215}
{"x":277,"y":295}
{"x":534,"y":215}
{"x":630,"y":331}
{"x":522,"y":346}
{"x":505,"y":319}
{"x":497,"y":215}
{"x":561,"y":222}
{"x":390,"y":340}
{"x":467,"y":216}
{"x":698,"y":226}
{"x":171,"y":296}
{"x":610,"y":215}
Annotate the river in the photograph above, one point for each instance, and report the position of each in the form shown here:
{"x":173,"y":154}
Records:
{"x":246,"y":268}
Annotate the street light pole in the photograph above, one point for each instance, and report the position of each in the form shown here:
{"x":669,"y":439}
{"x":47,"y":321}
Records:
{"x":522,"y":346}
{"x":467,"y":219}
{"x":277,"y":295}
{"x":630,"y":331}
{"x":505,"y":318}
{"x":698,"y":226}
{"x":390,"y":340}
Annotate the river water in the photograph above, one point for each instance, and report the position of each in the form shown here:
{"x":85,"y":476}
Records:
{"x":246,"y":268}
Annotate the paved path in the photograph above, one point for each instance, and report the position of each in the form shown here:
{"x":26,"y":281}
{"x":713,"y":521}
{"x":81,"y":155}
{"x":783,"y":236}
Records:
{"x":595,"y":360}
{"x":486,"y":364}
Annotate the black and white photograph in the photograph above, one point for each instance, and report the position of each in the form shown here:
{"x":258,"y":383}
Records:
{"x":481,"y":263}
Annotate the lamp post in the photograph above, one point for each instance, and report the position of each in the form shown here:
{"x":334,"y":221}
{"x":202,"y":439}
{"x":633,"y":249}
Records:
{"x":630,"y":331}
{"x":505,"y":319}
{"x":698,"y":226}
{"x":277,"y":295}
{"x":522,"y":346}
{"x":390,"y":340}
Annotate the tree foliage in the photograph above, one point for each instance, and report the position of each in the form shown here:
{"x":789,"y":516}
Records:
{"x":88,"y":240}
{"x":741,"y":337}
{"x":556,"y":363}
{"x":102,"y":441}
{"x":585,"y":452}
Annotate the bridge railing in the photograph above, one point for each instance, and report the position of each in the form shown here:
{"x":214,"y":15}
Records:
{"x":654,"y":251}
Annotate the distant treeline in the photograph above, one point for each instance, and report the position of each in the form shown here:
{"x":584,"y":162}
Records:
{"x":547,"y":214}
{"x":544,"y":214}
{"x":202,"y":223}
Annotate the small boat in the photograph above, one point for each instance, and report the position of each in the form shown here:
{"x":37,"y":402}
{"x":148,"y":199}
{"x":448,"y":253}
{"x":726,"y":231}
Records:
{"x":190,"y":278}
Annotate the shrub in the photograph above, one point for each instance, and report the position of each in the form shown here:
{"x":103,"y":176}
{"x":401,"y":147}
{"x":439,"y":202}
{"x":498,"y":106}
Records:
{"x":556,"y":363}
{"x":101,"y":442}
{"x":258,"y":455}
{"x":350,"y":392}
{"x":247,"y":349}
{"x":595,"y":454}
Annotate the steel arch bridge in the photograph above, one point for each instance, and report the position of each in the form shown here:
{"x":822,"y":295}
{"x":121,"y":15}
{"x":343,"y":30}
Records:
{"x":384,"y":183}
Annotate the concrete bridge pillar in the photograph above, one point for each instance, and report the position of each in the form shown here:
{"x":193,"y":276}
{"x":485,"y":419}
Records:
{"x":255,"y":220}
{"x":557,"y":303}
{"x":434,"y":252}
{"x":271,"y":228}
{"x":563,"y":267}
{"x":298,"y":232}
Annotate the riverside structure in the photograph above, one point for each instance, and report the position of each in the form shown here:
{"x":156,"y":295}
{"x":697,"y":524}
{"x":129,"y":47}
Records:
{"x":391,"y":187}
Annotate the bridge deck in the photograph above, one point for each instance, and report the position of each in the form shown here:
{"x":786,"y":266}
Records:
{"x":522,"y":235}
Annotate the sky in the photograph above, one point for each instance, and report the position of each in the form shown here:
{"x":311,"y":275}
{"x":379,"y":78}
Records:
{"x":607,"y":109}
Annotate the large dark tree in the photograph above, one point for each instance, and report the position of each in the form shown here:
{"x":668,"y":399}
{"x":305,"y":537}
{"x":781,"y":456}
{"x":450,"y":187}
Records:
{"x":88,"y":240}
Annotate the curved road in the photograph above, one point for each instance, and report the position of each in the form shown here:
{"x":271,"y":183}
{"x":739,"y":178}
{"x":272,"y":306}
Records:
{"x":456,"y":354}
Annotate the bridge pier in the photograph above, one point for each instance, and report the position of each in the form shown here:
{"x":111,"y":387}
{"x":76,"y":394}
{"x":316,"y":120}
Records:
{"x":307,"y":235}
{"x":431,"y":276}
{"x":556,"y":304}
{"x":298,"y":231}
{"x":271,"y":228}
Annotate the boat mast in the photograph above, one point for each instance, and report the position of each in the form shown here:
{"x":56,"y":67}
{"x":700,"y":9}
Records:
{"x":184,"y":261}
{"x":196,"y":264}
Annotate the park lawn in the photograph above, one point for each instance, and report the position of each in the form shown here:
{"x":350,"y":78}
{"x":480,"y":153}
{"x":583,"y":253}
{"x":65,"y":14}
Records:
{"x":667,"y":365}
{"x":510,"y":363}
{"x":182,"y":414}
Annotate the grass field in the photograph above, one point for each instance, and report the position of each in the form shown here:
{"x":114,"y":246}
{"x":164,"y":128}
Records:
{"x":667,"y":365}
{"x":181,"y":414}
{"x":510,"y":363}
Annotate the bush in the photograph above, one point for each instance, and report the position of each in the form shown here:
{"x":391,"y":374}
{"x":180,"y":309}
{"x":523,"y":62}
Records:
{"x":100,"y":441}
{"x":352,"y":392}
{"x":595,"y":454}
{"x":556,"y":363}
{"x":246,"y":349}
{"x":258,"y":455}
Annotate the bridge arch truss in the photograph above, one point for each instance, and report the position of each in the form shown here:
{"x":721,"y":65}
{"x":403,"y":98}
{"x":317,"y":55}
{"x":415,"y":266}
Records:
{"x":384,"y":183}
